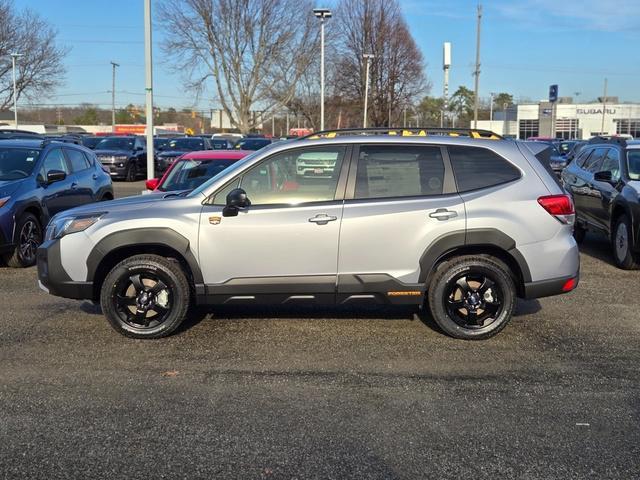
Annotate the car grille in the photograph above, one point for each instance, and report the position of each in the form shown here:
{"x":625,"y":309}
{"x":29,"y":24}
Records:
{"x":106,"y":158}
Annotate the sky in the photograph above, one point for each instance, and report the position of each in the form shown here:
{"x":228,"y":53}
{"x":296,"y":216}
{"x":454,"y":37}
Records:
{"x":526,"y":46}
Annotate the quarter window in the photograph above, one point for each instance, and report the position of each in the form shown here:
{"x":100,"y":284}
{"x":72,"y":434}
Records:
{"x":476,"y":168}
{"x":294,"y":177}
{"x":399,"y":171}
{"x":583,"y":158}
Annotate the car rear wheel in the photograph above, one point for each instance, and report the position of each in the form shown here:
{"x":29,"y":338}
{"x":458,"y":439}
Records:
{"x":28,"y":239}
{"x":472,"y":297}
{"x":145,"y":296}
{"x":622,"y":238}
{"x":131,"y":173}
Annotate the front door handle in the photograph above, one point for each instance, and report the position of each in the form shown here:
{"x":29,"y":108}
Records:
{"x":74,"y":185}
{"x":443,"y":214}
{"x":322,"y":219}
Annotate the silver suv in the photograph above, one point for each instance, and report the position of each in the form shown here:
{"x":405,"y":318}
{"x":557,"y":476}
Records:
{"x":463,"y":222}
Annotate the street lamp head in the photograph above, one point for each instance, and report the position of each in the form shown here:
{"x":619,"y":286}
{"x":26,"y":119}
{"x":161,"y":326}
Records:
{"x":368,"y":55}
{"x":322,"y":13}
{"x":15,"y":55}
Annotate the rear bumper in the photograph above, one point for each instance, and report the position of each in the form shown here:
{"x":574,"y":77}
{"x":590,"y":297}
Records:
{"x":54,"y":279}
{"x":548,"y":288}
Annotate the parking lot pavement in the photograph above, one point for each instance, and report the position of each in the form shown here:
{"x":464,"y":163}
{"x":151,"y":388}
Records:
{"x":331,"y":393}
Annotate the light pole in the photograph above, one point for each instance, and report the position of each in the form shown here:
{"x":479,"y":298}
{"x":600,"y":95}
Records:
{"x":322,"y":13}
{"x":148,"y":69}
{"x":14,"y":56}
{"x":368,"y":57}
{"x":113,"y":97}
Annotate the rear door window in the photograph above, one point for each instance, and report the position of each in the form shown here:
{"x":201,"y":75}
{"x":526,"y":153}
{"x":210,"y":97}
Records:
{"x":596,"y":160}
{"x":477,"y":168}
{"x":77,"y":159}
{"x":399,"y":171}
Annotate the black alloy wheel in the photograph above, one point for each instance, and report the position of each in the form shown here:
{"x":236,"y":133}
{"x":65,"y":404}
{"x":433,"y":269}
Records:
{"x":146,"y":296}
{"x":28,"y":239}
{"x":473,"y":300}
{"x":472,"y":297}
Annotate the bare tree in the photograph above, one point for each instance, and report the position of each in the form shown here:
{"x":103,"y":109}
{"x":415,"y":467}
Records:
{"x":397,"y":69}
{"x":254,"y":51}
{"x":40,"y":70}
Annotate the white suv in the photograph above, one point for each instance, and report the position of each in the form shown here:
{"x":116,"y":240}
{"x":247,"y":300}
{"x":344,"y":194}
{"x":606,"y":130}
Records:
{"x":462,"y":221}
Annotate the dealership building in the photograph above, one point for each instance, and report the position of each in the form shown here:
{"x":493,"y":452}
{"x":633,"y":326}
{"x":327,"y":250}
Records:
{"x":566,"y":119}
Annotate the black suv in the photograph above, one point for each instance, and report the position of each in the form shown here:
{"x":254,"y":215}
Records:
{"x":605,"y":182}
{"x":124,"y":156}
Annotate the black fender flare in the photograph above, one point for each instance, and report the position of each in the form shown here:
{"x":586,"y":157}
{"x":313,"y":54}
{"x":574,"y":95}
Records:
{"x":449,"y":242}
{"x":159,"y":236}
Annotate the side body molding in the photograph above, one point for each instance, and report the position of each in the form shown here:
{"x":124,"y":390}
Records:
{"x":163,"y":237}
{"x":471,"y":238}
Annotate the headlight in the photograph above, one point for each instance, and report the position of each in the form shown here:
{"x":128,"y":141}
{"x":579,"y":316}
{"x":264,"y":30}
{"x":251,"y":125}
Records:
{"x":4,"y":200}
{"x":120,"y":158}
{"x":59,"y":227}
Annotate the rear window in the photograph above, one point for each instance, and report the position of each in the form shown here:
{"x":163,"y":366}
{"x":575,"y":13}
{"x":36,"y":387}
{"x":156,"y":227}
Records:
{"x":399,"y":171}
{"x":476,"y":168}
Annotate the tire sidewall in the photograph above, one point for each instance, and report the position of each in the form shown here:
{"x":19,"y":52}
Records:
{"x":627,"y":261}
{"x":179,"y":297}
{"x":17,"y":256}
{"x":438,"y":296}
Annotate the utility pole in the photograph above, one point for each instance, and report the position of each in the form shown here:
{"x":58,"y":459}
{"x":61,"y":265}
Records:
{"x":148,"y":67}
{"x":604,"y":106}
{"x":368,"y":57}
{"x":14,"y":57}
{"x":477,"y":71}
{"x":113,"y":96}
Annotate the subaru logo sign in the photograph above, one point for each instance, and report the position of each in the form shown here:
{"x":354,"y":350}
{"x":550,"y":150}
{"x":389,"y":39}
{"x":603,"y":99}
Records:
{"x":553,"y":93}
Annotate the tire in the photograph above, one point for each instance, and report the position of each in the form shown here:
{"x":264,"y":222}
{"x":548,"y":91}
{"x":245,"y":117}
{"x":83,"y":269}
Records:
{"x":471,"y":283}
{"x":28,"y":239}
{"x":621,"y":242}
{"x":146,"y":296}
{"x":132,"y":172}
{"x":579,"y":233}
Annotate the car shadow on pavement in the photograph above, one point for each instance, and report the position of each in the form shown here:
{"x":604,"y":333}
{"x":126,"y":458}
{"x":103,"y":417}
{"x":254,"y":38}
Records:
{"x":598,"y":247}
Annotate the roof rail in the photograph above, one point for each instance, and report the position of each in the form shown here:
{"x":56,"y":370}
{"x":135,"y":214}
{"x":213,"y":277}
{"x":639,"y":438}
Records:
{"x":406,"y":132}
{"x":622,"y":141}
{"x":65,"y":139}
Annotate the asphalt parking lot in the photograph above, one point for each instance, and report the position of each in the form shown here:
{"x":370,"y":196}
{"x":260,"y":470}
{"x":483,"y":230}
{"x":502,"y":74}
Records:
{"x":332,"y":393}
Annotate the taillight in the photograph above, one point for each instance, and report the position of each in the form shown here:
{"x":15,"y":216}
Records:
{"x":557,"y":204}
{"x":560,"y":206}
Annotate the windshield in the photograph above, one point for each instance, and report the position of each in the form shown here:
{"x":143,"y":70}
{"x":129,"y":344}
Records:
{"x":186,"y":144}
{"x":228,"y":171}
{"x":160,"y":143}
{"x":115,"y":143}
{"x":633,"y":164}
{"x":565,"y":147}
{"x":17,"y":163}
{"x":252,"y":143}
{"x":190,"y":174}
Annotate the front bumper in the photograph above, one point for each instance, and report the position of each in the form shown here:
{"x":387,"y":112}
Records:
{"x":118,"y":169}
{"x":6,"y":246}
{"x":53,"y":278}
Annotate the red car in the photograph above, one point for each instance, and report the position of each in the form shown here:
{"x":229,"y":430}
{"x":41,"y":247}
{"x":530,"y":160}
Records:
{"x":194,"y":168}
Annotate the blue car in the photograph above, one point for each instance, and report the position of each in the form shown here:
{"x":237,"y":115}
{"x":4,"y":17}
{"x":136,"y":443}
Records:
{"x":39,"y":178}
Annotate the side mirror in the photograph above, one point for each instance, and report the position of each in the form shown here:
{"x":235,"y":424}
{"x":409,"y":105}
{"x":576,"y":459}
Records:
{"x":55,"y":176}
{"x":604,"y":176}
{"x":152,"y":183}
{"x":236,"y":199}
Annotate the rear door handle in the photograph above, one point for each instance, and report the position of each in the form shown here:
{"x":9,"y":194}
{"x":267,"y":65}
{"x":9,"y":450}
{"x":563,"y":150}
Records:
{"x":322,"y":219}
{"x":74,"y":185}
{"x":443,"y":214}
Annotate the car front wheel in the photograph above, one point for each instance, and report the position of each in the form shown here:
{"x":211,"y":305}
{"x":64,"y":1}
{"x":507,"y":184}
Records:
{"x":622,"y":238}
{"x":145,"y":296}
{"x":132,"y":173}
{"x":472,"y":297}
{"x":28,"y":239}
